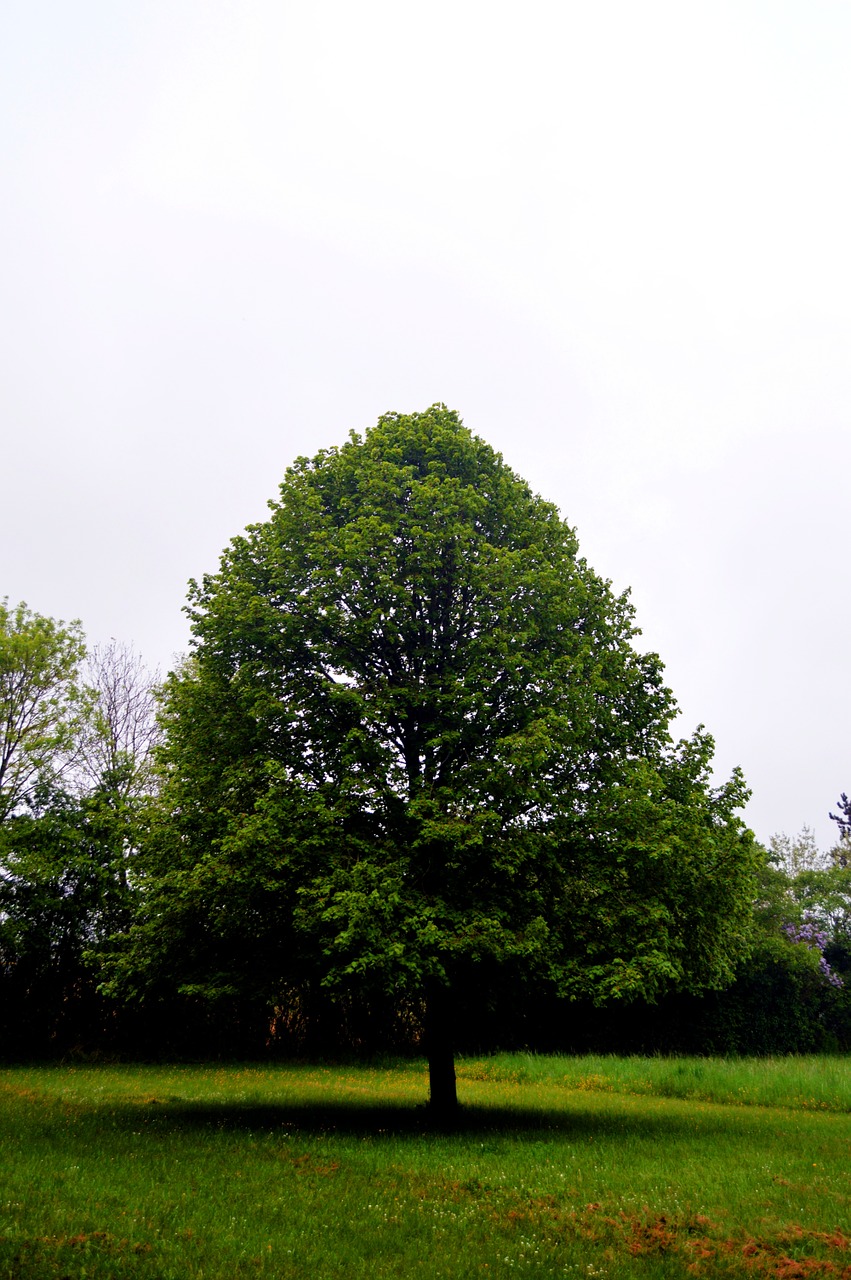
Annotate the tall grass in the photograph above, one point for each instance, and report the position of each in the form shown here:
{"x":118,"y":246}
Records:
{"x":559,"y":1167}
{"x":813,"y":1083}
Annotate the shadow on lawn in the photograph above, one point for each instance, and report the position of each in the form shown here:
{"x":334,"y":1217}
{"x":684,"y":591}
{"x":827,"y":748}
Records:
{"x":396,"y":1120}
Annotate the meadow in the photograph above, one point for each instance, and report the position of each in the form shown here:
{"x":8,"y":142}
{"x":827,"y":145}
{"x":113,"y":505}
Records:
{"x":558,"y":1167}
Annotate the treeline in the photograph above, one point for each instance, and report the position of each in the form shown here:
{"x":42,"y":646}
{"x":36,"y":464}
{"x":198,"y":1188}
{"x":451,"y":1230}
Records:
{"x":80,"y":811}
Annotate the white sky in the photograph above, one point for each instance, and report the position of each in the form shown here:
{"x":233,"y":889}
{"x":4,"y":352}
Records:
{"x":615,"y":236}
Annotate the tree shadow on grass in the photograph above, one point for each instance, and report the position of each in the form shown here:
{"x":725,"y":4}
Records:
{"x":379,"y":1120}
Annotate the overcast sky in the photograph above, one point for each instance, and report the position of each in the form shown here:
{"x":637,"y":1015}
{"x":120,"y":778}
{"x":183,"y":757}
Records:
{"x":616,"y":237}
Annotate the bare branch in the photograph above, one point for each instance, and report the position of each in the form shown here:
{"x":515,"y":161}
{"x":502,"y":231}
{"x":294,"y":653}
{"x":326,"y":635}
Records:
{"x":121,"y":730}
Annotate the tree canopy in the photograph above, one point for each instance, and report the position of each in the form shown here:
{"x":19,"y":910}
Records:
{"x":415,"y":748}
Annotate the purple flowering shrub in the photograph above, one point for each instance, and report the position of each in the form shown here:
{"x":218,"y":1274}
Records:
{"x":808,"y":934}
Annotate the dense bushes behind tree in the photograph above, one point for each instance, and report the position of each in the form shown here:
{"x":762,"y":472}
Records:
{"x":50,"y":1004}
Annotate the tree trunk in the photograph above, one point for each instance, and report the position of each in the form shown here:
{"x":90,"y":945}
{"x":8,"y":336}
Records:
{"x":443,"y":1096}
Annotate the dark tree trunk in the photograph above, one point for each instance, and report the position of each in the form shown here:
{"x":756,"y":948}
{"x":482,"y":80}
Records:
{"x":440,"y":1047}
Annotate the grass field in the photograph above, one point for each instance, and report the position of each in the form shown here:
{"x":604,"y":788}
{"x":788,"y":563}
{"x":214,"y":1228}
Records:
{"x":559,"y":1167}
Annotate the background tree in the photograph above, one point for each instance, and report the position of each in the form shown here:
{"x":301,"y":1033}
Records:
{"x":70,"y":837}
{"x":415,"y":753}
{"x":118,"y":737}
{"x":824,"y":895}
{"x":41,"y":701}
{"x":817,"y":885}
{"x":789,"y":995}
{"x":64,"y":889}
{"x":794,"y":854}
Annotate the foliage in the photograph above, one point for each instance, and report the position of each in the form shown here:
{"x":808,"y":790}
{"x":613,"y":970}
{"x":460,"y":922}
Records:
{"x":808,"y":934}
{"x":64,"y":889}
{"x":794,"y":854}
{"x":415,"y":752}
{"x":41,"y":702}
{"x":790,"y":994}
{"x":69,"y":840}
{"x":812,"y":886}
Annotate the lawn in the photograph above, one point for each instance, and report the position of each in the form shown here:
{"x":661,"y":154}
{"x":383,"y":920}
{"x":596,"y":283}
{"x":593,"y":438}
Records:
{"x":559,"y":1167}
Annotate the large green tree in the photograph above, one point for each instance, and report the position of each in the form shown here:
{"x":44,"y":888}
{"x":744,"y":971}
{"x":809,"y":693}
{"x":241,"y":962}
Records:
{"x":415,"y":748}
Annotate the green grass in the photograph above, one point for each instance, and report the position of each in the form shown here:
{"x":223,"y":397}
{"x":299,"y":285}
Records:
{"x":811,"y":1083}
{"x":559,"y":1167}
